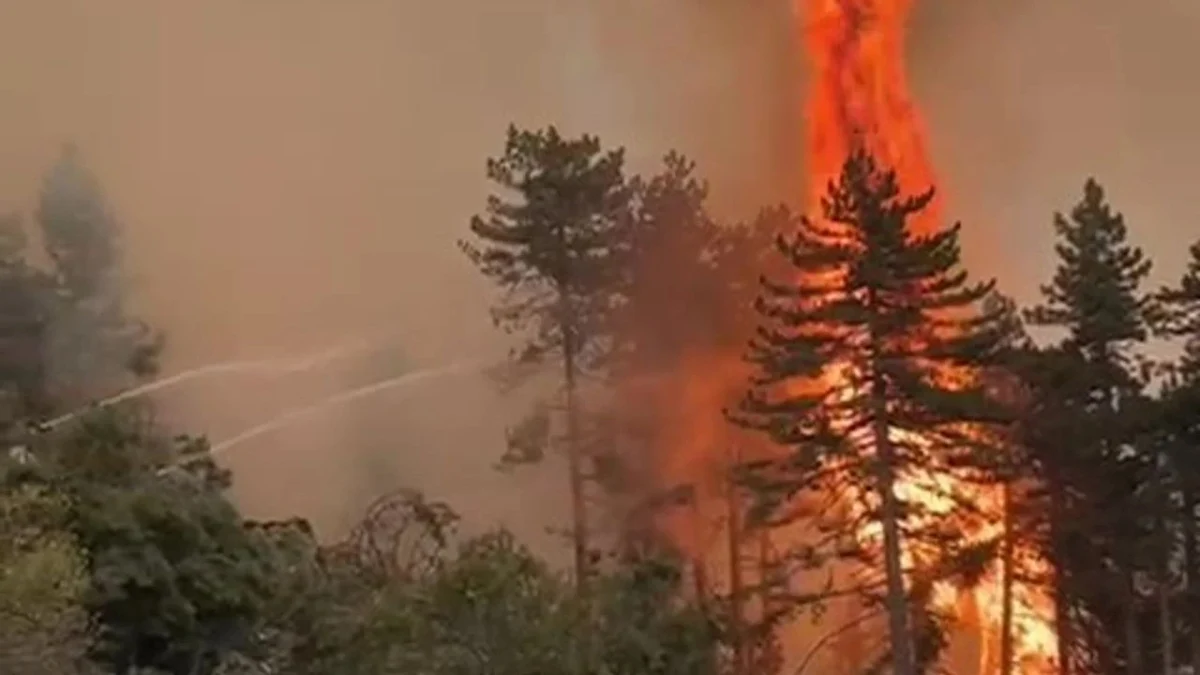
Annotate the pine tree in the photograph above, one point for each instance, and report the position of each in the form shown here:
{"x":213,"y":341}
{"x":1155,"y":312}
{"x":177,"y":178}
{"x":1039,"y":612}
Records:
{"x":669,"y":291}
{"x":1059,"y":475}
{"x":551,"y":244}
{"x":684,"y":277}
{"x":1009,"y":469}
{"x":94,"y":346}
{"x":867,"y":365}
{"x":685,"y":301}
{"x":23,"y":324}
{"x":1096,"y":298}
{"x":1096,"y":294}
{"x":1181,"y":317}
{"x":669,"y":237}
{"x":1159,"y":443}
{"x":1181,"y":420}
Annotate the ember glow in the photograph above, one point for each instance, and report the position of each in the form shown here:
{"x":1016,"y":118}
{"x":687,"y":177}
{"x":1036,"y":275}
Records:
{"x":860,"y":96}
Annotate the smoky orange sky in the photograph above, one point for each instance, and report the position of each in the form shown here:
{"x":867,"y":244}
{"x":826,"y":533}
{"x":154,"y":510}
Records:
{"x":292,"y":173}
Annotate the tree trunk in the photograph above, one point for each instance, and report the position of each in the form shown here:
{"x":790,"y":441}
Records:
{"x":1006,"y":587}
{"x":899,"y":625}
{"x":1165,"y":629}
{"x":1165,"y":590}
{"x":737,"y":600}
{"x":900,"y":631}
{"x":579,"y":516}
{"x":1191,"y":572}
{"x":1063,"y":623}
{"x":1133,"y":635}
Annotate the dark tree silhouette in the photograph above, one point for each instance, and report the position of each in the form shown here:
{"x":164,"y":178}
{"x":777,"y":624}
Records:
{"x":866,"y":361}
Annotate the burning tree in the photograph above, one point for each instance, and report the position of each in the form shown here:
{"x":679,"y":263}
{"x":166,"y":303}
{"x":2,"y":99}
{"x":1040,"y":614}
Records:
{"x":685,"y":301}
{"x":1183,"y":314}
{"x":671,"y":302}
{"x":867,"y":361}
{"x":687,"y":289}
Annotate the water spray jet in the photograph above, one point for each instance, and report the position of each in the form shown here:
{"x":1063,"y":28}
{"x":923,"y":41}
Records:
{"x":295,"y":415}
{"x":292,"y":416}
{"x":279,"y":367}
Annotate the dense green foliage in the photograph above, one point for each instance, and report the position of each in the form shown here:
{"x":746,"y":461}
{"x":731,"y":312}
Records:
{"x":42,"y":581}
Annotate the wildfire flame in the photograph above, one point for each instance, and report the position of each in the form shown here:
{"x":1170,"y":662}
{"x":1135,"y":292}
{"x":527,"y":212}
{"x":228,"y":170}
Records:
{"x":860,"y":93}
{"x":860,"y":96}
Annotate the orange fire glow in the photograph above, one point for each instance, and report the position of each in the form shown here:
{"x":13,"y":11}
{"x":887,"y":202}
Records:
{"x":860,"y":95}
